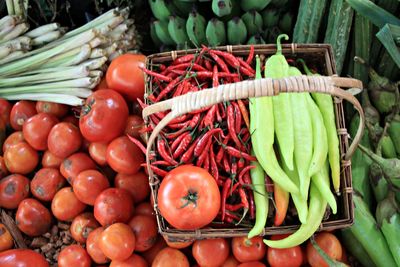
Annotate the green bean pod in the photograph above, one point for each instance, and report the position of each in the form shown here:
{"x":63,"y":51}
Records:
{"x":365,"y":230}
{"x":303,"y":138}
{"x":355,"y":248}
{"x":315,"y":215}
{"x":394,"y":132}
{"x":322,"y":182}
{"x":320,"y":138}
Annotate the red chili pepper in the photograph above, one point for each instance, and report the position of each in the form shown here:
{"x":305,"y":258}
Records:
{"x":233,"y":207}
{"x":239,"y":154}
{"x":243,"y":198}
{"x":222,"y":110}
{"x":233,"y":169}
{"x":190,"y":65}
{"x":244,"y":112}
{"x":168,"y":89}
{"x":221,"y":151}
{"x":141,"y":104}
{"x":226,"y":164}
{"x":158,"y":171}
{"x":220,"y":62}
{"x":231,"y":216}
{"x":162,"y":150}
{"x":246,"y":65}
{"x":178,"y":140}
{"x":194,"y":121}
{"x":179,"y":88}
{"x":231,"y":126}
{"x":155,"y":74}
{"x":269,"y":185}
{"x":247,"y":72}
{"x":251,"y":55}
{"x":137,"y":143}
{"x":160,"y":163}
{"x":243,"y":172}
{"x":183,"y":59}
{"x":224,"y":196}
{"x":208,"y":65}
{"x":151,"y":98}
{"x":188,"y":155}
{"x":252,"y":204}
{"x":182,"y":146}
{"x":241,"y":163}
{"x":200,"y":55}
{"x":204,"y":153}
{"x":207,"y":162}
{"x":177,"y":133}
{"x":213,"y":165}
{"x":178,"y":125}
{"x":205,"y":74}
{"x":215,"y":81}
{"x":238,"y":117}
{"x":162,"y":67}
{"x":229,"y":58}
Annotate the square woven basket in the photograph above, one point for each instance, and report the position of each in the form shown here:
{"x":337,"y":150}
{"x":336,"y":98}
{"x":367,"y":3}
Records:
{"x":314,"y":54}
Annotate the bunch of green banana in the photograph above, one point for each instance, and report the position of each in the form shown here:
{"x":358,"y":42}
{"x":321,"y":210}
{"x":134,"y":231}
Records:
{"x":196,"y":28}
{"x":215,"y":32}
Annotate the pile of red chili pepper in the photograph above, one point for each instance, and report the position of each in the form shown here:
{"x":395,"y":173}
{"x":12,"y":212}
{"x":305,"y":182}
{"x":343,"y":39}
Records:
{"x":216,"y":138}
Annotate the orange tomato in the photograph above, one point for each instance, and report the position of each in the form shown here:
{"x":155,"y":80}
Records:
{"x":65,"y":205}
{"x":117,"y":241}
{"x":6,"y":240}
{"x":327,"y":242}
{"x":170,"y":257}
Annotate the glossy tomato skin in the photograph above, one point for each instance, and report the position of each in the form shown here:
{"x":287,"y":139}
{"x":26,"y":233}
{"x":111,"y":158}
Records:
{"x":82,"y":225}
{"x":288,"y":257}
{"x":145,"y":230}
{"x":55,"y":109}
{"x":134,"y":124}
{"x":117,"y":241}
{"x":22,"y":258}
{"x":21,"y":158}
{"x":145,"y":208}
{"x":93,"y":246}
{"x":71,"y":119}
{"x":133,"y":261}
{"x":252,"y":264}
{"x":5,"y":109}
{"x":210,"y":252}
{"x":73,"y":256}
{"x":32,"y":218}
{"x":64,"y":139}
{"x":329,"y":243}
{"x":88,"y":185}
{"x":75,"y":164}
{"x":170,"y":257}
{"x":124,"y":75}
{"x":136,"y":184}
{"x":149,"y":255}
{"x":245,"y":249}
{"x":183,"y":182}
{"x":231,"y":261}
{"x":65,"y":205}
{"x":37,"y":128}
{"x":12,"y":139}
{"x":6,"y":240}
{"x":13,"y":189}
{"x":46,"y":183}
{"x":20,"y":112}
{"x":3,"y":168}
{"x":104,"y":116}
{"x":123,"y":156}
{"x":49,"y":160}
{"x":113,"y":205}
{"x":98,"y":152}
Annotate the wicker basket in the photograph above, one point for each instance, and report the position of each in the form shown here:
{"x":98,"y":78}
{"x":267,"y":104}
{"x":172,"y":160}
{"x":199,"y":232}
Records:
{"x":317,"y":54}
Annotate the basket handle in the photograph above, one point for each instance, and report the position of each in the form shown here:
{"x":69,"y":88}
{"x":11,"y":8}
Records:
{"x":256,"y":88}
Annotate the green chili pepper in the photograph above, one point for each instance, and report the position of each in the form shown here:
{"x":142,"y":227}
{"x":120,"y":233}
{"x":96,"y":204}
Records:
{"x":315,"y":215}
{"x":325,"y":105}
{"x":277,"y":67}
{"x":355,"y":248}
{"x":262,"y":138}
{"x":322,"y":182}
{"x":303,"y":137}
{"x":258,"y":181}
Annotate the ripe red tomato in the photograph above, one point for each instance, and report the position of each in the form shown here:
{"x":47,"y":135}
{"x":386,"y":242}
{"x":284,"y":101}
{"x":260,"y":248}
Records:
{"x":117,"y":241}
{"x":37,"y":128}
{"x":73,"y":255}
{"x":20,"y":112}
{"x":137,"y":184}
{"x":170,"y":257}
{"x":12,"y":139}
{"x":64,"y":139}
{"x":46,"y":183}
{"x":178,"y":244}
{"x":189,"y":197}
{"x":133,"y":261}
{"x":123,"y":156}
{"x":13,"y":189}
{"x":98,"y":152}
{"x":75,"y":164}
{"x":82,"y":225}
{"x":2,"y":131}
{"x":288,"y":257}
{"x":6,"y":240}
{"x":133,"y":126}
{"x":55,"y":109}
{"x":22,"y":258}
{"x":5,"y":109}
{"x":104,"y":116}
{"x":113,"y":205}
{"x":88,"y":185}
{"x":65,"y":206}
{"x":231,"y":261}
{"x":252,"y":264}
{"x":150,"y":254}
{"x":32,"y":218}
{"x":49,"y":160}
{"x":145,"y":208}
{"x":71,"y":119}
{"x":210,"y":252}
{"x":329,"y":243}
{"x":3,"y":168}
{"x":93,"y":248}
{"x":245,"y":249}
{"x":21,"y":158}
{"x":145,"y":229}
{"x":125,"y":76}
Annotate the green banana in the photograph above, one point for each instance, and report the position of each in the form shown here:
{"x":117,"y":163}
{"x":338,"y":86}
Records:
{"x":270,"y":17}
{"x":215,"y":32}
{"x":253,"y":21}
{"x":237,"y":31}
{"x":161,"y":30}
{"x":221,"y":7}
{"x":154,"y":36}
{"x":256,"y":39}
{"x":196,"y":28}
{"x":182,"y":8}
{"x":177,"y":30}
{"x":258,"y":5}
{"x":286,"y":22}
{"x":394,"y":132}
{"x":160,"y":9}
{"x":378,"y":182}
